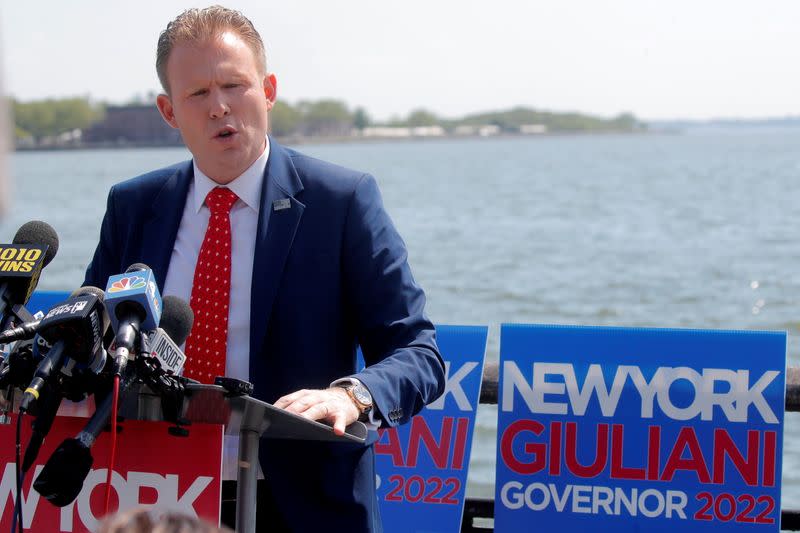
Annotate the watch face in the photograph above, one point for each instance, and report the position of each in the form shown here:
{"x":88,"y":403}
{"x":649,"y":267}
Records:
{"x":362,"y":395}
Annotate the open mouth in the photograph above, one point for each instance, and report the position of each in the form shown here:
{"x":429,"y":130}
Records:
{"x":225,"y":133}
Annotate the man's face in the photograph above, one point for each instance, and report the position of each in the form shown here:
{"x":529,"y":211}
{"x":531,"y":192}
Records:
{"x":219,"y":99}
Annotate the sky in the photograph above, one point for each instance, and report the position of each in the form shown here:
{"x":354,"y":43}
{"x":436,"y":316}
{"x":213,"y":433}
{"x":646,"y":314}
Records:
{"x":660,"y":59}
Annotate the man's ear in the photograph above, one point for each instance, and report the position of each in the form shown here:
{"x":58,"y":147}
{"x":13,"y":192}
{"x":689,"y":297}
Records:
{"x":164,"y":105}
{"x":270,"y":89}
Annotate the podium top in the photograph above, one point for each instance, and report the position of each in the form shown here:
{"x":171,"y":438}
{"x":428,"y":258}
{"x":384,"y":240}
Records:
{"x":211,"y":404}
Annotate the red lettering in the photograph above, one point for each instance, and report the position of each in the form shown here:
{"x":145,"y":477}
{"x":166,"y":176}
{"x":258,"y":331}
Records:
{"x":618,"y":471}
{"x":695,"y":462}
{"x":460,"y":447}
{"x":724,"y":445}
{"x":147,"y":496}
{"x":538,"y":450}
{"x":653,"y":452}
{"x":770,"y":451}
{"x":555,"y":449}
{"x":391,"y":448}
{"x":421,"y":433}
{"x":601,"y":454}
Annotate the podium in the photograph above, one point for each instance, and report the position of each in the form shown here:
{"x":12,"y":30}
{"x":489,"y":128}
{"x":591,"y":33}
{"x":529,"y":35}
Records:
{"x":247,"y":417}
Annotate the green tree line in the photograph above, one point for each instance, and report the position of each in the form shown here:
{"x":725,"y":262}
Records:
{"x":512,"y":119}
{"x":326,"y":117}
{"x":45,"y":118}
{"x":332,"y":117}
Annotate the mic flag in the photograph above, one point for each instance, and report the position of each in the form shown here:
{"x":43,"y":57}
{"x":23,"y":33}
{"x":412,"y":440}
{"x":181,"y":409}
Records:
{"x":20,"y":267}
{"x":74,"y":328}
{"x":134,"y":293}
{"x":78,"y":321}
{"x":35,"y":244}
{"x":176,"y":323}
{"x":27,"y":330}
{"x":168,"y":353}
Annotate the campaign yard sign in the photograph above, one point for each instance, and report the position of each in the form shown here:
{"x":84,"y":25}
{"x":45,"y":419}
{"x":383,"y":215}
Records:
{"x":622,"y":429}
{"x":422,"y":465}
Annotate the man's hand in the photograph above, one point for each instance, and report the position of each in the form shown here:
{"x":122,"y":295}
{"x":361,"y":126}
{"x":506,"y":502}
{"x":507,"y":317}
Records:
{"x":332,"y":405}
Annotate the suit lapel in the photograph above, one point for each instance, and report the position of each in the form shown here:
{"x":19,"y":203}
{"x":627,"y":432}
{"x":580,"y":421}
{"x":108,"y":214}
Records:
{"x":279,"y":218}
{"x":161,"y":226}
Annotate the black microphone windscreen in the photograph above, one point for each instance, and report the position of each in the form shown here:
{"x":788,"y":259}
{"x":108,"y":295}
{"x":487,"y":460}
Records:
{"x":177,"y":319}
{"x":62,"y":477}
{"x":38,"y":232}
{"x":137,"y":267}
{"x":88,"y":289}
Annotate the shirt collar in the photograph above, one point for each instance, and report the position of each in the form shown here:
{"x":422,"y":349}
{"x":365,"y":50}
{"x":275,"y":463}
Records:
{"x":247,"y":186}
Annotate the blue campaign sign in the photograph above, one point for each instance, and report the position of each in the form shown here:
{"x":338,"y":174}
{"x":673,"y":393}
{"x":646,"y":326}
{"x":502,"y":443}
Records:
{"x":622,"y":429}
{"x":44,"y":300}
{"x":422,"y":466}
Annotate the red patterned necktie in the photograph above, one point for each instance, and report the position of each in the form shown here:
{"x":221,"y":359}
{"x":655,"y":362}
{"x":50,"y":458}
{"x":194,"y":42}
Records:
{"x":207,"y":343}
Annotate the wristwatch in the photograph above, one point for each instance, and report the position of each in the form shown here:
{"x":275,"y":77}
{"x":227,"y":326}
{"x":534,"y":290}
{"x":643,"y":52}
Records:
{"x":360,"y":396}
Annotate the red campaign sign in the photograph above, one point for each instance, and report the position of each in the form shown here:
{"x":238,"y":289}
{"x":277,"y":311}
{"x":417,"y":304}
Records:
{"x":152,"y":468}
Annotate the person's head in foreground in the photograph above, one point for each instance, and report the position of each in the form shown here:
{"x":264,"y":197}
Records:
{"x":149,"y":520}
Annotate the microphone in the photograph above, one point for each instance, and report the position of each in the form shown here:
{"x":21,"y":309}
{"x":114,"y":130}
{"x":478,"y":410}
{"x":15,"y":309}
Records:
{"x":134,"y":305}
{"x":29,"y":329}
{"x":51,"y":400}
{"x":62,"y":478}
{"x":22,"y":332}
{"x":74,"y":326}
{"x":178,"y":319}
{"x":71,"y":382}
{"x":34,"y":246}
{"x":165,"y":341}
{"x":18,"y":367}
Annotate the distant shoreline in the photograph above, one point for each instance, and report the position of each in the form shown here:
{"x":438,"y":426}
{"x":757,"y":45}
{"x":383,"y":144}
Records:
{"x":347,"y":139}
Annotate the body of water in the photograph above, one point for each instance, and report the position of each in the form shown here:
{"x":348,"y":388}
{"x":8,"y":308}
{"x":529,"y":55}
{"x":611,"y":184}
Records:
{"x":692,"y":231}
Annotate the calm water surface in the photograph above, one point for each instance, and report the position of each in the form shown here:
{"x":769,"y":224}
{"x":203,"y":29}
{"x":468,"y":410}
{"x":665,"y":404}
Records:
{"x":696,"y":230}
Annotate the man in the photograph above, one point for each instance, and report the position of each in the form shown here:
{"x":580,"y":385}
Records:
{"x":295,"y":258}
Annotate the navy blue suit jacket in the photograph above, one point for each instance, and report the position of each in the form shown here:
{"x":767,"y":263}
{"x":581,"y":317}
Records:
{"x":329,"y":274}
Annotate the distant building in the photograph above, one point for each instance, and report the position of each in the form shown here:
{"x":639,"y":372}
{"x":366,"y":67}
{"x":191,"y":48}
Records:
{"x":386,"y":131}
{"x":427,"y":131}
{"x":465,"y":130}
{"x":484,"y":130}
{"x":68,"y":139}
{"x":132,"y":125}
{"x":532,"y":129}
{"x":402,"y":131}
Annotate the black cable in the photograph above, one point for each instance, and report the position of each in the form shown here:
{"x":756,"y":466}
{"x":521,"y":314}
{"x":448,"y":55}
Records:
{"x":17,"y":518}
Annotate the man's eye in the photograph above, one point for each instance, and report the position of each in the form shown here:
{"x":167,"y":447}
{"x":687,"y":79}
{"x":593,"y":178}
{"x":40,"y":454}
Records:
{"x":199,"y":92}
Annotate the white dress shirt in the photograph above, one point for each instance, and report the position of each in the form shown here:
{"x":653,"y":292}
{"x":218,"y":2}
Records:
{"x":180,"y":274}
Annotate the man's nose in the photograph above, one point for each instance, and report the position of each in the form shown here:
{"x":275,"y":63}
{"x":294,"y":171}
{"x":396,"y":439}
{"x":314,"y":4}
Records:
{"x":219,"y":106}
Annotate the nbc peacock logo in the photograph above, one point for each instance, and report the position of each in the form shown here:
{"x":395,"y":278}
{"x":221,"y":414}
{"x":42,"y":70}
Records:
{"x":127,"y":284}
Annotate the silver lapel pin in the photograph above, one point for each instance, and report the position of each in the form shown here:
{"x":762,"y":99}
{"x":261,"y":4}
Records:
{"x":280,"y":205}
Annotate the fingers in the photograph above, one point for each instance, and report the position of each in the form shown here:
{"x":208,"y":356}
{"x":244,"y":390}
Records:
{"x":339,"y":423}
{"x":302,"y":401}
{"x":329,"y":405}
{"x":287,"y":400}
{"x":319,"y":411}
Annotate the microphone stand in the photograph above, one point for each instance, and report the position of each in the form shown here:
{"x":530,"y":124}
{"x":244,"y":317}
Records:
{"x":18,"y":313}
